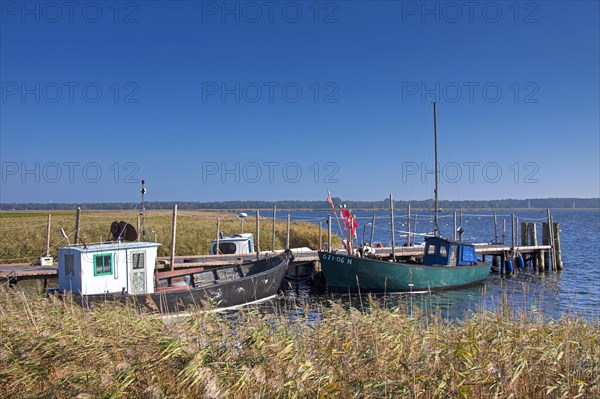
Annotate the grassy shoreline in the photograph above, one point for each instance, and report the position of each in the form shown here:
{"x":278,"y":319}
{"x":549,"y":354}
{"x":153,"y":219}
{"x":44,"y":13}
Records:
{"x":195,"y":231}
{"x":51,"y":348}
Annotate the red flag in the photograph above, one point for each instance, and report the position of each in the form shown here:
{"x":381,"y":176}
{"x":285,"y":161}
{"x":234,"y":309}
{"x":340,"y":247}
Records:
{"x":330,"y":201}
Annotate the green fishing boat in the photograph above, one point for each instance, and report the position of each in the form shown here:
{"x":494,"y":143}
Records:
{"x":445,"y":263}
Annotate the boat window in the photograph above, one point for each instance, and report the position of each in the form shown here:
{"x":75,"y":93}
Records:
{"x":430,"y":249}
{"x":102,"y":264}
{"x":452,"y":260}
{"x":225,"y":248}
{"x":137,"y":260}
{"x":443,"y":251}
{"x":69,"y":264}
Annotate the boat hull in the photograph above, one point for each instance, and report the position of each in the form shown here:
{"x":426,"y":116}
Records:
{"x":262,"y":280}
{"x":350,"y":273}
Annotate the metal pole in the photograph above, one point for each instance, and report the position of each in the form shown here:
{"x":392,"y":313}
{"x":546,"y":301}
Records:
{"x":173,"y":236}
{"x":287,"y":241}
{"x":257,"y":235}
{"x":435,"y":218}
{"x":48,"y":234}
{"x":372,"y":229}
{"x":217,"y":246}
{"x":273,"y":241}
{"x":393,"y":232}
{"x":77,"y":216}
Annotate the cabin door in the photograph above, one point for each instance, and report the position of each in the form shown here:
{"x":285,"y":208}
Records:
{"x":137,"y":273}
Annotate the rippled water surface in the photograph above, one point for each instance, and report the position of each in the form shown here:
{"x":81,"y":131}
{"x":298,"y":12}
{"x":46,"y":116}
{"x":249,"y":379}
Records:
{"x":574,"y":290}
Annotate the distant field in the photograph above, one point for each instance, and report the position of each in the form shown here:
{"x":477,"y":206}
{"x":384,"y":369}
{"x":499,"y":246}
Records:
{"x":23,"y":234}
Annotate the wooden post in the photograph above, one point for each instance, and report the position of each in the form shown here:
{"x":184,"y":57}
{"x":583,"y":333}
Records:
{"x":533,"y":242}
{"x":512,"y":232}
{"x":495,"y":228}
{"x":273,"y":238}
{"x":329,"y":233}
{"x":503,"y":230}
{"x":551,"y":240}
{"x":257,"y":235}
{"x":461,"y":223}
{"x":373,"y":230}
{"x":454,"y":231}
{"x":217,"y":244}
{"x":320,"y":236}
{"x":556,"y":229}
{"x":407,"y":226}
{"x":393,"y":232}
{"x":173,"y":236}
{"x":524,"y":233}
{"x":77,"y":217}
{"x":414,"y":229}
{"x":546,"y":241}
{"x":287,"y":241}
{"x":48,"y":234}
{"x":139,"y":226}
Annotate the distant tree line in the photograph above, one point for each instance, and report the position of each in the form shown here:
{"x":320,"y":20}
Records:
{"x":577,"y":203}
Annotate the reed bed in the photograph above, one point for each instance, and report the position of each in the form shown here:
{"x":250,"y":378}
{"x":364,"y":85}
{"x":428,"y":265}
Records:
{"x":23,"y":234}
{"x":53,"y":348}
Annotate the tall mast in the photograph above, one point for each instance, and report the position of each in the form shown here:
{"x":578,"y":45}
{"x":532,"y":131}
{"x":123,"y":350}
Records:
{"x":435,"y":217}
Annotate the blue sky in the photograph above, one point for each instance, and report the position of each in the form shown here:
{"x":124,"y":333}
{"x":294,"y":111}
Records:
{"x":211,"y":101}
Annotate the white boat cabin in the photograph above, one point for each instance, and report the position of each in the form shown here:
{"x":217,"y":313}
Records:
{"x":116,"y":267}
{"x":235,"y":244}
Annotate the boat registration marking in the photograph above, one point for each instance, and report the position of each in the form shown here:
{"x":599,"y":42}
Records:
{"x":338,"y":259}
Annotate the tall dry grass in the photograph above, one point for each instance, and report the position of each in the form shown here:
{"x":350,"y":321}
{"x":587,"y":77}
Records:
{"x":23,"y":234}
{"x":51,"y":348}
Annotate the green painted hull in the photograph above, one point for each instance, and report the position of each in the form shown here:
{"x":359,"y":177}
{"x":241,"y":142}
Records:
{"x":343,"y":273}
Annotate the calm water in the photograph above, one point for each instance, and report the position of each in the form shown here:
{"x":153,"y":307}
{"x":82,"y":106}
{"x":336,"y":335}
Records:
{"x":575,"y":290}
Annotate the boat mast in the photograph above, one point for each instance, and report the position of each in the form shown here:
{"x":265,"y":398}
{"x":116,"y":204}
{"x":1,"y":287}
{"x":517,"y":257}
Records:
{"x":435,"y":217}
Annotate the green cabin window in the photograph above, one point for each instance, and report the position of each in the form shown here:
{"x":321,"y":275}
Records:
{"x":102,"y":264}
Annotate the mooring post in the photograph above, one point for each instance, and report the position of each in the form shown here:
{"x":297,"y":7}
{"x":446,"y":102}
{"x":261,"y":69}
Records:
{"x":461,"y":223}
{"x":454,"y":232}
{"x":556,"y":230}
{"x":512,"y":232}
{"x":320,"y":236}
{"x":287,"y":241}
{"x":329,"y":233}
{"x":503,"y":230}
{"x":524,"y":233}
{"x":48,"y":229}
{"x":217,"y":246}
{"x":495,"y":228}
{"x":414,"y":229}
{"x":551,"y":239}
{"x":273,"y":232}
{"x":139,"y":226}
{"x":257,"y":234}
{"x":77,"y":217}
{"x":546,"y":241}
{"x":173,"y":236}
{"x":393,"y":231}
{"x":372,"y":230}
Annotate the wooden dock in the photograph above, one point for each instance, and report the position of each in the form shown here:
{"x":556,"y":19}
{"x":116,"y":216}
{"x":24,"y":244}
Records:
{"x":21,"y":271}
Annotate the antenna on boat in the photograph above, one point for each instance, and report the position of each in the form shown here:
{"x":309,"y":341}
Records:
{"x":143,"y":222}
{"x":436,"y":231}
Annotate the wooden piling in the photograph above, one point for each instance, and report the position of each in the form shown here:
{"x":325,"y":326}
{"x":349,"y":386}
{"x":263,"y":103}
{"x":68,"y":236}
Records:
{"x":77,"y":218}
{"x":546,"y":241}
{"x":373,"y":230}
{"x":512,"y":232}
{"x":558,"y":256}
{"x":461,"y":223}
{"x":414,"y":229}
{"x":495,"y":228}
{"x":524,"y":233}
{"x":257,"y":234}
{"x":48,"y":229}
{"x":503,"y":230}
{"x":173,"y":237}
{"x":273,"y":238}
{"x":454,"y":231}
{"x":287,"y":241}
{"x":217,"y":246}
{"x":320,"y":236}
{"x":393,"y":232}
